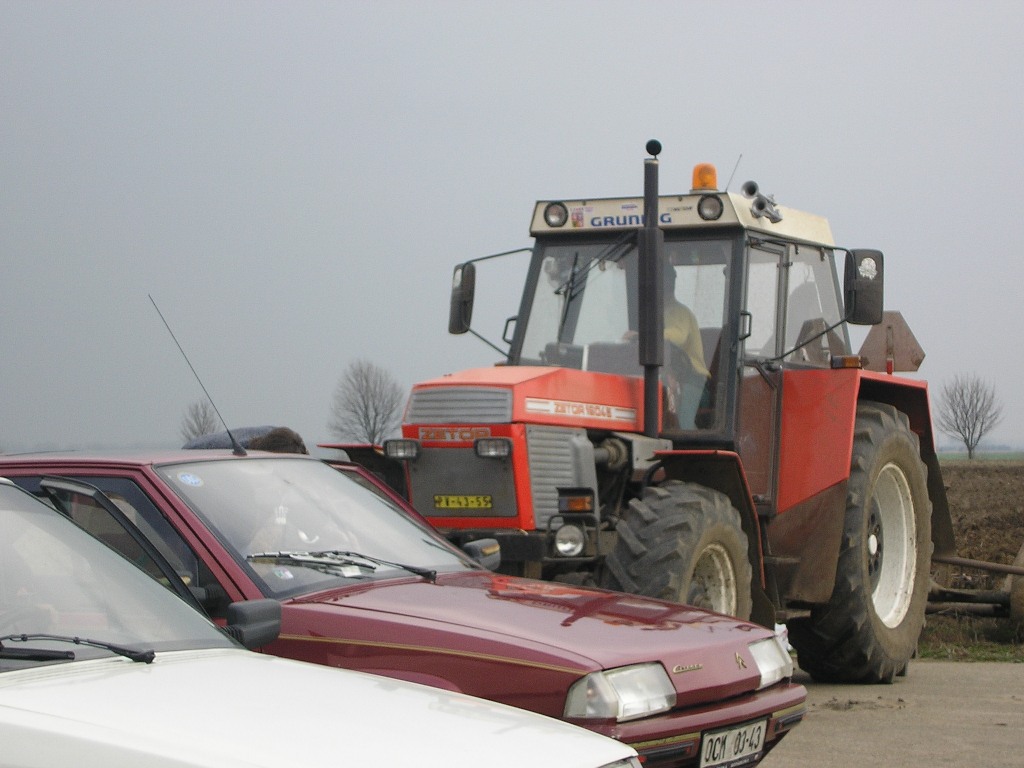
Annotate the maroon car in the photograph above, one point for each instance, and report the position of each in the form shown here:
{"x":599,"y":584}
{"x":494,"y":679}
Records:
{"x":366,"y":584}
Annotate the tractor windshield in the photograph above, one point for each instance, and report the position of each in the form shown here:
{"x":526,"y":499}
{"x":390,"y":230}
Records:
{"x":583,"y":314}
{"x":581,"y":297}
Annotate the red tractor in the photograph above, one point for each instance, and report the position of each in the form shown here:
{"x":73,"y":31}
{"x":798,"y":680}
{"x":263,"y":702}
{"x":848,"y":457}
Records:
{"x":680,"y":415}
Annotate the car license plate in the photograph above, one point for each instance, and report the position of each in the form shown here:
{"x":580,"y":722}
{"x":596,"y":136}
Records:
{"x":733,"y":747}
{"x":462,"y":502}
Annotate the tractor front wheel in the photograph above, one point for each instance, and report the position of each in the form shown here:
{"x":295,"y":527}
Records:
{"x":868,"y":630}
{"x":683,"y":542}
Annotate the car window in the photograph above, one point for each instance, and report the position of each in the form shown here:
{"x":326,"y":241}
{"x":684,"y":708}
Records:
{"x":56,"y":579}
{"x":138,"y":508}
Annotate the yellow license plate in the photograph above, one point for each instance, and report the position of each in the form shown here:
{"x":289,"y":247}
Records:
{"x":462,"y":502}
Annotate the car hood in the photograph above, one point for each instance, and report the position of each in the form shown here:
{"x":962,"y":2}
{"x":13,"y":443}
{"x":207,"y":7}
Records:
{"x":577,"y":628}
{"x":234,"y":708}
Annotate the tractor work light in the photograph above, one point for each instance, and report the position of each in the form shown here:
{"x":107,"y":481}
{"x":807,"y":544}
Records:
{"x":402,"y":450}
{"x":570,"y":540}
{"x":710,"y":207}
{"x":493,"y":447}
{"x":556,"y":214}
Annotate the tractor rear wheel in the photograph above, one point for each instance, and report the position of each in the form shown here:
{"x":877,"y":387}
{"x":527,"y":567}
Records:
{"x":683,"y":542}
{"x":868,"y":630}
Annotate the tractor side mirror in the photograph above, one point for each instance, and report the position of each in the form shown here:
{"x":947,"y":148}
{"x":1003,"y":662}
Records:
{"x":463,"y":287}
{"x":863,"y":282}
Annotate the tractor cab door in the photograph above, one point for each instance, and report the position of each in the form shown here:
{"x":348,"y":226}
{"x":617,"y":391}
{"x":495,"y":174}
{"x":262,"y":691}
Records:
{"x":760,"y":387}
{"x":699,"y":357}
{"x":791,"y":304}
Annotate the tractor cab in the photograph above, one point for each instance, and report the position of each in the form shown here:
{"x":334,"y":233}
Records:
{"x":746,"y":289}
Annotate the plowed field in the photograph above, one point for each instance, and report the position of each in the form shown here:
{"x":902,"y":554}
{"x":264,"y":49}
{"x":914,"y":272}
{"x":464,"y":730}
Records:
{"x":986,"y":501}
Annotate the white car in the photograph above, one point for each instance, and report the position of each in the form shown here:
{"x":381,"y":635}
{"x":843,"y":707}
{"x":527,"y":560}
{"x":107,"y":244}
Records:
{"x":102,"y":666}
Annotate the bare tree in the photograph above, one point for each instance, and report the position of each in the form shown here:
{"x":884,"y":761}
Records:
{"x":968,"y":410}
{"x":200,"y":419}
{"x":366,"y":404}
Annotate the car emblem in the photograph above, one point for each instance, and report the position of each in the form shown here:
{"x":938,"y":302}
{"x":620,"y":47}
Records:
{"x":740,"y":662}
{"x":678,"y":669}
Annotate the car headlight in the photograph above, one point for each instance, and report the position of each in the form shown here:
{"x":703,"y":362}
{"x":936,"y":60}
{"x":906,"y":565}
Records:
{"x":773,"y":660}
{"x":629,"y":762}
{"x":622,"y":694}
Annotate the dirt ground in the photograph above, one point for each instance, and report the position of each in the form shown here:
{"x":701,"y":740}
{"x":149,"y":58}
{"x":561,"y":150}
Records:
{"x":922,"y":720}
{"x":986,"y":502}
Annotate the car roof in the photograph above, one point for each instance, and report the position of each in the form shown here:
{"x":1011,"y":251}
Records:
{"x":137,"y":456}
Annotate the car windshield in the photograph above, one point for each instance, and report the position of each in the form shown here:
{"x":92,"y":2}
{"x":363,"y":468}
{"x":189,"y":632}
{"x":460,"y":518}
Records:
{"x":300,"y":525}
{"x":63,"y":591}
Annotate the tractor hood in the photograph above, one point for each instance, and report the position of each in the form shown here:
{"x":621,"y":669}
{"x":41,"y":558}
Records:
{"x":525,"y":623}
{"x":529,"y":394}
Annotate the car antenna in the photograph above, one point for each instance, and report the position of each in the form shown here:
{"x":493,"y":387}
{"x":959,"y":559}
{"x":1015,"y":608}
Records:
{"x":236,"y":447}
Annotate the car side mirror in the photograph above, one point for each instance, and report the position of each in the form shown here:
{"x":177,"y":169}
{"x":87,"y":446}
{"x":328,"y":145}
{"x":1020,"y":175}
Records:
{"x":863,"y":281}
{"x":460,"y":313}
{"x":487,"y":552}
{"x":254,"y":623}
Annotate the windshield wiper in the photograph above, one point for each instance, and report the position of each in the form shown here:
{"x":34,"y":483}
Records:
{"x":608,"y":253}
{"x":328,"y":565}
{"x":427,"y":573}
{"x":144,"y":656}
{"x":332,"y":558}
{"x":35,"y":654}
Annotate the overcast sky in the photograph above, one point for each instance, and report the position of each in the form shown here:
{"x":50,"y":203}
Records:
{"x":292,"y":182}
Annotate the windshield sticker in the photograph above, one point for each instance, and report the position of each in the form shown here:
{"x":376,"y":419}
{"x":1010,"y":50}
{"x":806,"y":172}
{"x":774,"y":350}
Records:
{"x":187,"y":478}
{"x":283,"y":573}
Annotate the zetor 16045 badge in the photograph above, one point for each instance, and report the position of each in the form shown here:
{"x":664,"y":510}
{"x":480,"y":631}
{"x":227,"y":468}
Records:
{"x":366,"y":584}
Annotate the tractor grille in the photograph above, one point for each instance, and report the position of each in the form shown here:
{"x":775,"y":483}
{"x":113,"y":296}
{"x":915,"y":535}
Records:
{"x":445,"y":472}
{"x":460,"y":405}
{"x":553,"y":465}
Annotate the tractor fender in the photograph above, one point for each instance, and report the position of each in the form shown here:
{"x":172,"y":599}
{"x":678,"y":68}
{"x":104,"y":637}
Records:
{"x":815,"y":452}
{"x":911,"y":397}
{"x":806,"y":533}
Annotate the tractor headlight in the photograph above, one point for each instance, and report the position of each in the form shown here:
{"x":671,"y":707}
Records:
{"x":556,"y":214}
{"x":492,"y":447}
{"x":570,"y":540}
{"x":710,"y":207}
{"x":626,"y":693}
{"x":773,"y":660}
{"x":402,"y":450}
